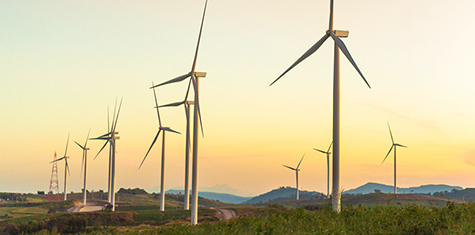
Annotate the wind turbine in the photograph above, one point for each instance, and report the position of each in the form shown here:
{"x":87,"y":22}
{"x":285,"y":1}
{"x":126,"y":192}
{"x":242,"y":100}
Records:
{"x":165,"y":129}
{"x":110,"y":137}
{"x":394,"y":145}
{"x":296,"y":174}
{"x":84,"y":163}
{"x":66,"y":169}
{"x":186,"y":104}
{"x":339,"y":45}
{"x":328,"y":166}
{"x":196,"y":115}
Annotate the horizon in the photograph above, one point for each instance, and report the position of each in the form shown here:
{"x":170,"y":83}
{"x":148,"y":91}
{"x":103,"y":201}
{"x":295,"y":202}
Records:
{"x":63,"y":63}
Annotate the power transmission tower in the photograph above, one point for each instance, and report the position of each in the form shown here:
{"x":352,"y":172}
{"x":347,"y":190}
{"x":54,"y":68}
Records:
{"x":53,"y":193}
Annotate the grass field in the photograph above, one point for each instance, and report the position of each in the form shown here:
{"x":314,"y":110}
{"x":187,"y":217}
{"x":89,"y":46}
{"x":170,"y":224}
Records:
{"x":139,"y":214}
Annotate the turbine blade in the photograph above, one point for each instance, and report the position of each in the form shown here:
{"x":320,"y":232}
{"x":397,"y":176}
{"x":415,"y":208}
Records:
{"x":117,"y":117}
{"x":113,"y":116}
{"x":82,"y":164}
{"x":102,"y":137}
{"x":329,"y":147}
{"x":390,"y":133}
{"x":199,"y":39}
{"x":197,"y":103}
{"x":87,"y":138}
{"x":304,"y":56}
{"x":67,"y":166}
{"x":103,"y":146}
{"x":175,"y":104}
{"x":170,"y":130}
{"x":345,"y":51}
{"x":400,"y":145}
{"x":153,"y":142}
{"x":79,"y":145}
{"x":387,"y":154}
{"x":59,"y":159}
{"x":320,"y":150}
{"x":156,"y":105}
{"x":187,"y":110}
{"x":330,"y":25}
{"x":300,"y":162}
{"x":177,"y":79}
{"x":187,"y":91}
{"x":67,"y":143}
{"x":108,"y":124}
{"x":289,"y":167}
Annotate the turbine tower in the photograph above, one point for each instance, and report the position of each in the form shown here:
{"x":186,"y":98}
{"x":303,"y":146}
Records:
{"x":110,"y":137}
{"x":339,"y":45}
{"x":328,"y":166}
{"x":296,"y":174}
{"x":66,"y":169}
{"x":164,"y":129}
{"x":196,"y":115}
{"x":394,"y":145}
{"x":186,"y":104}
{"x":84,"y":163}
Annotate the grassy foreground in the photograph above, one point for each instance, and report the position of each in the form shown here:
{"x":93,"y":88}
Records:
{"x":408,"y":219}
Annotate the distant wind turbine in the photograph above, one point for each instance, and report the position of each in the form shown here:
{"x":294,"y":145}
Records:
{"x":339,"y":45}
{"x":84,"y":163}
{"x":296,"y":174}
{"x":110,"y":137}
{"x":196,"y":115}
{"x":186,"y":104}
{"x":165,"y":129}
{"x":328,"y":166}
{"x":66,"y":169}
{"x":394,"y":145}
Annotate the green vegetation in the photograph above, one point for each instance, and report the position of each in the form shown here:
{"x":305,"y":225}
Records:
{"x":384,"y":219}
{"x":135,"y":191}
{"x":377,"y":213}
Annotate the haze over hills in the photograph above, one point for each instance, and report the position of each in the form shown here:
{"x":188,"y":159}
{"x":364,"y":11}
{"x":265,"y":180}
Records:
{"x":222,"y":197}
{"x":423,"y":189}
{"x":283,"y":194}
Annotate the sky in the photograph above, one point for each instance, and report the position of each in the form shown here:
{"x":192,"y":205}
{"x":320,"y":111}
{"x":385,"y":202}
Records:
{"x":63,"y":63}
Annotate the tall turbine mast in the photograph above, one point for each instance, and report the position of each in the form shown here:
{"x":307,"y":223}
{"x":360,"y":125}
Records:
{"x":328,"y":166}
{"x":196,"y":121}
{"x":165,"y":129}
{"x":394,"y":145}
{"x":186,"y":104}
{"x":339,"y":45}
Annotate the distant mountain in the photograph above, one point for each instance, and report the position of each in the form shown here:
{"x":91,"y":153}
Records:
{"x":467,"y":194}
{"x":283,"y":194}
{"x":222,"y":197}
{"x":423,"y":189}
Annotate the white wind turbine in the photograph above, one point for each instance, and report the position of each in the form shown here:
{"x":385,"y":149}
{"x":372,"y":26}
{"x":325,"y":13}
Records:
{"x":328,"y":166}
{"x":164,"y":129}
{"x":394,"y":145}
{"x":296,"y":174}
{"x":186,"y":104}
{"x":196,"y":115}
{"x":84,"y":163}
{"x":110,"y":137}
{"x":66,"y":169}
{"x":339,"y":45}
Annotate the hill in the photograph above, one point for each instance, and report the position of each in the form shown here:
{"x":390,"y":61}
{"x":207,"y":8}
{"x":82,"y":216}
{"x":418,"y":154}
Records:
{"x":423,"y":189}
{"x":283,"y":194}
{"x":372,"y":199}
{"x":465,"y":194}
{"x":222,"y":197}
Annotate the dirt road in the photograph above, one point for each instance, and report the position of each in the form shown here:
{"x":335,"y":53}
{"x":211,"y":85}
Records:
{"x":226,"y":214}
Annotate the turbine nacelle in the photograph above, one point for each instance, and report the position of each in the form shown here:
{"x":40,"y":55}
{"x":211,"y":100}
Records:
{"x":339,"y":33}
